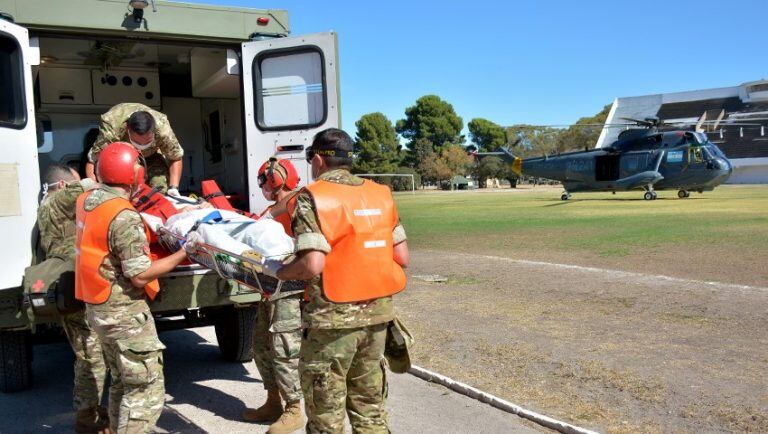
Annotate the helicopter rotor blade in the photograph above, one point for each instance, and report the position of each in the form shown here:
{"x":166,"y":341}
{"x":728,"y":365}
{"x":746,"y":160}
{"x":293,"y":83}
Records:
{"x":643,"y":123}
{"x":646,"y":122}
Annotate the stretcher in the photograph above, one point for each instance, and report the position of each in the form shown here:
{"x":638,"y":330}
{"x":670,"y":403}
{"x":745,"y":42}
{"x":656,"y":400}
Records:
{"x":247,"y":271}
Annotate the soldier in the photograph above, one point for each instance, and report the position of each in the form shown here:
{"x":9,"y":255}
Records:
{"x":56,"y":222}
{"x":114,"y":277}
{"x":148,"y":131}
{"x":351,"y":251}
{"x":277,"y":334}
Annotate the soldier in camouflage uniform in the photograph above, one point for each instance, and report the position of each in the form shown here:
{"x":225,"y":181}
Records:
{"x":124,"y":323}
{"x":341,"y":364}
{"x":277,"y":333}
{"x":56,"y":222}
{"x":276,"y":345}
{"x":154,"y":139}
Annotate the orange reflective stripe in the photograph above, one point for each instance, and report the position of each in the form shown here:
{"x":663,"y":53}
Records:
{"x":92,"y":245}
{"x":357,"y":221}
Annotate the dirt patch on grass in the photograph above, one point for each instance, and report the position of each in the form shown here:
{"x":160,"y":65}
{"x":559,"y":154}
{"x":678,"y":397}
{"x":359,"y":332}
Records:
{"x":617,"y":354}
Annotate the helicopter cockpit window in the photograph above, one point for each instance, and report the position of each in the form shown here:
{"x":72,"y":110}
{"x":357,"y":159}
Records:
{"x":696,"y":155}
{"x":717,"y":151}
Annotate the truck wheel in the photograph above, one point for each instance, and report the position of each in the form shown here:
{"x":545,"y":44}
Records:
{"x":15,"y":360}
{"x":234,"y":333}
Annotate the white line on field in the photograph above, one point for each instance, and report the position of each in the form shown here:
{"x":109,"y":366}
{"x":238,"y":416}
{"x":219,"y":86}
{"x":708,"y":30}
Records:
{"x":617,"y":273}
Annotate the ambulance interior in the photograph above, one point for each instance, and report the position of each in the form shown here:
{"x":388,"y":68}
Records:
{"x":197,"y":87}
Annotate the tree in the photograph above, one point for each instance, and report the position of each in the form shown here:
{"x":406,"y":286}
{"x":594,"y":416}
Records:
{"x":537,"y":140}
{"x":432,"y":168}
{"x":376,"y":145}
{"x":486,"y":135}
{"x":401,"y":183}
{"x":533,"y":140}
{"x":418,"y":151}
{"x":456,"y":160}
{"x":583,"y":137}
{"x":452,"y":160}
{"x":489,"y":168}
{"x":432,"y":119}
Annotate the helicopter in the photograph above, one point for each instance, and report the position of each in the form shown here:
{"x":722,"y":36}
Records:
{"x":645,"y":157}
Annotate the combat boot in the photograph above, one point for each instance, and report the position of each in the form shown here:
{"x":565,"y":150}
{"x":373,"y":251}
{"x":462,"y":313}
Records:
{"x":291,"y":420}
{"x":269,"y":412}
{"x":91,"y":421}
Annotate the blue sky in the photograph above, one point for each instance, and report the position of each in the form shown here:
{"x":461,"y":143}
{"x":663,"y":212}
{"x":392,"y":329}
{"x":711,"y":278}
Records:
{"x":542,"y":62}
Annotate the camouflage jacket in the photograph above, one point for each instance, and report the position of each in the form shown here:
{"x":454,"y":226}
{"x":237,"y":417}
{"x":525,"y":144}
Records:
{"x":112,"y":129}
{"x":320,"y":312}
{"x":56,"y":219}
{"x":128,"y":254}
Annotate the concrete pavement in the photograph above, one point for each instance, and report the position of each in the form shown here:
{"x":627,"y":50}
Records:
{"x":207,"y":394}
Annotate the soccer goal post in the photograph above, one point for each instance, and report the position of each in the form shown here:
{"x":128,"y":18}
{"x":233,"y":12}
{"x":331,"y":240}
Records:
{"x":391,"y":175}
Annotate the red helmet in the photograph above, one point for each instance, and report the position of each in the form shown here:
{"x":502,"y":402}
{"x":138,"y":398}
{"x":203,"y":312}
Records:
{"x":276,"y":173}
{"x":118,"y":163}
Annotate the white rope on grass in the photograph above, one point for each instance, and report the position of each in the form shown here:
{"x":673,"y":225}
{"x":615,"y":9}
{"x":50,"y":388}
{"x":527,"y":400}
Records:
{"x":497,"y":402}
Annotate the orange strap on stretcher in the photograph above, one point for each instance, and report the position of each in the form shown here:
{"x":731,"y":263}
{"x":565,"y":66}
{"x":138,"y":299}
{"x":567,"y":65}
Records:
{"x":212,"y":193}
{"x":149,"y":200}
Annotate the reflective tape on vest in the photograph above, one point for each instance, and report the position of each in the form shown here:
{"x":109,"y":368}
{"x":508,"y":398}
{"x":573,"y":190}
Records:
{"x":367,"y":212}
{"x":375,"y":244}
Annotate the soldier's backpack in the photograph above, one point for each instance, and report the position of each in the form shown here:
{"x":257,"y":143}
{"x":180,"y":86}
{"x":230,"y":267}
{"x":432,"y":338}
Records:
{"x":49,"y":288}
{"x":49,"y":285}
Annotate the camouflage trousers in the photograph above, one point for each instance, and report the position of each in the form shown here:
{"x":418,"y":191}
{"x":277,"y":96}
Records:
{"x":345,"y":369}
{"x":134,"y":355}
{"x":90,"y":369}
{"x":157,"y":172}
{"x":276,"y":344}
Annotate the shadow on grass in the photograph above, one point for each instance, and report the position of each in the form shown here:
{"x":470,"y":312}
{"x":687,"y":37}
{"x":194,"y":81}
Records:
{"x":617,"y":199}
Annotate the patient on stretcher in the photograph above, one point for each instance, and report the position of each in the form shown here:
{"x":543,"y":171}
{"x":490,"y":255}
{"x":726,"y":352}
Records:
{"x":226,"y":230}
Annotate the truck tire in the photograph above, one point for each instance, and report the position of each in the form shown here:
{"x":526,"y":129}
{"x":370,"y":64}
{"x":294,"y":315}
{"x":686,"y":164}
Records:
{"x":15,"y":360}
{"x":234,"y":333}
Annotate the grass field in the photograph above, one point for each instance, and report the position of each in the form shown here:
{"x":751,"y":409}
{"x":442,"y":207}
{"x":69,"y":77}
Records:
{"x":616,"y":230}
{"x":613,"y":351}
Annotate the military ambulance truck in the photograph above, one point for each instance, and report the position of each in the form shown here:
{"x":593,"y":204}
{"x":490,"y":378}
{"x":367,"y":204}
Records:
{"x":235,"y":87}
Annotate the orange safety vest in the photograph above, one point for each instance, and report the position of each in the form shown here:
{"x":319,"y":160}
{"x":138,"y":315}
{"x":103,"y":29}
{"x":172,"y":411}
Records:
{"x":285,"y":218}
{"x":357,"y":221}
{"x":93,"y":246}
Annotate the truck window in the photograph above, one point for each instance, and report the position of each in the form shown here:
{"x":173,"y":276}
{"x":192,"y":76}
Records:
{"x":13,"y":112}
{"x":290,"y":89}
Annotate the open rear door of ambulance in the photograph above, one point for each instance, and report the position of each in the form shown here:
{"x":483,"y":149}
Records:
{"x":290,"y":92}
{"x":19,"y":172}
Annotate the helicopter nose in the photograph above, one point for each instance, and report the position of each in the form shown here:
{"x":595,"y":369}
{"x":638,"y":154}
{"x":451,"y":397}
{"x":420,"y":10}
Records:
{"x":725,"y":168}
